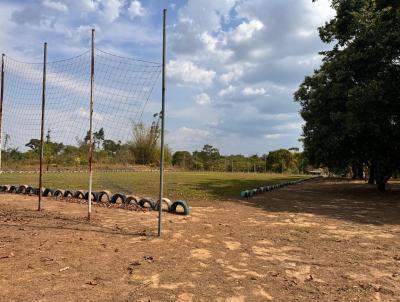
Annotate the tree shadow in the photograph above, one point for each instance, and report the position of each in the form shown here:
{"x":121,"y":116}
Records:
{"x":222,"y":189}
{"x":355,"y":202}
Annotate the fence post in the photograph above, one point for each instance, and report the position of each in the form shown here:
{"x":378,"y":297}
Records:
{"x":1,"y":108}
{"x":91,"y":131}
{"x":42,"y":127}
{"x":162,"y":125}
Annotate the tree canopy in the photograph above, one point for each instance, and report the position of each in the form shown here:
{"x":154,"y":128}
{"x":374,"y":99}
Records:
{"x":351,"y":104}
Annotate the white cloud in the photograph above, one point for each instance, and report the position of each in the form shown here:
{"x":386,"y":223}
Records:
{"x":232,"y":75}
{"x":136,"y":9}
{"x":276,"y":135}
{"x":250,"y":91}
{"x":188,"y":138}
{"x":111,"y":9}
{"x":55,"y":5}
{"x":186,"y":72}
{"x":203,"y":99}
{"x":227,"y":91}
{"x":246,"y":30}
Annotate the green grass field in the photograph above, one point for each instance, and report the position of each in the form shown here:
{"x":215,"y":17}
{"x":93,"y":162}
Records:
{"x":190,"y":186}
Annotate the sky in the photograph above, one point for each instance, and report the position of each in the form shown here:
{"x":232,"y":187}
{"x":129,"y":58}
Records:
{"x":232,"y":65}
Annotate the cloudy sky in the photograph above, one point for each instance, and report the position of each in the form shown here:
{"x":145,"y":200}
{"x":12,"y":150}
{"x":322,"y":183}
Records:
{"x":233,"y":65}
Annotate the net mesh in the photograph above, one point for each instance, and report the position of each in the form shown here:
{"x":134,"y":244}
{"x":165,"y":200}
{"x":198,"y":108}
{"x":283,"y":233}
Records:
{"x":122,"y":87}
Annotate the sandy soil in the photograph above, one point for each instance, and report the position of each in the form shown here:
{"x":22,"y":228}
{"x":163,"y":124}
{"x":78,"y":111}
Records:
{"x":317,"y":241}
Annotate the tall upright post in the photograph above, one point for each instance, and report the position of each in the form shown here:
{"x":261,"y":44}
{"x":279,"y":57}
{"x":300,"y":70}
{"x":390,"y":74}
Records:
{"x":162,"y":126}
{"x":91,"y":131}
{"x":42,"y":127}
{"x":1,"y":107}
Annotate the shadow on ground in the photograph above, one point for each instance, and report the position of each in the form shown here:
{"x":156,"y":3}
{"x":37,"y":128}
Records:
{"x":356,"y":202}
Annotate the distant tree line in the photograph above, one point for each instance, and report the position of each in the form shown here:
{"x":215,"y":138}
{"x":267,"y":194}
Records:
{"x":144,"y":149}
{"x":210,"y":159}
{"x":351,"y":104}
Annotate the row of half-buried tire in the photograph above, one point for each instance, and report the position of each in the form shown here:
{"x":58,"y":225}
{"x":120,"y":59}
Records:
{"x":102,"y":196}
{"x":267,"y":188}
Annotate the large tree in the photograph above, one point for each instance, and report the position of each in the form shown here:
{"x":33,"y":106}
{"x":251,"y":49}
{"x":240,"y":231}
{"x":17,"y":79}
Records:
{"x":351,"y":105}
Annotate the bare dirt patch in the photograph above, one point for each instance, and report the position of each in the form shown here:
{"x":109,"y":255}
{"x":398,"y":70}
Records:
{"x":317,"y":241}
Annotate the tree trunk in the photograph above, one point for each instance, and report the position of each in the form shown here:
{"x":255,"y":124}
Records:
{"x":371,"y":179}
{"x":381,"y":186}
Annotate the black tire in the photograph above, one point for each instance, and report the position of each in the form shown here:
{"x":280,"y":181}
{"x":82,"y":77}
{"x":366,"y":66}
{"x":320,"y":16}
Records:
{"x":59,"y":193}
{"x":30,"y":190}
{"x":21,"y":189}
{"x":165,"y":201}
{"x":182,"y":204}
{"x":244,"y":194}
{"x":80,"y":194}
{"x":12,"y":189}
{"x":147,"y":201}
{"x":5,"y":188}
{"x":132,"y":199}
{"x":95,"y":196}
{"x":115,"y":197}
{"x":106,"y":194}
{"x":48,"y":192}
{"x":68,"y":194}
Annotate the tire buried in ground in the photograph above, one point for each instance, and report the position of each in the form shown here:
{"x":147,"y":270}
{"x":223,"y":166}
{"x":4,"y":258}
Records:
{"x":147,"y":201}
{"x":106,"y":194}
{"x":22,"y":189}
{"x":59,"y":193}
{"x":68,"y":194}
{"x":183,"y":205}
{"x":4,"y":188}
{"x":80,"y":194}
{"x":95,"y":196}
{"x":48,"y":192}
{"x":165,"y":201}
{"x":132,"y":199}
{"x":30,"y":190}
{"x":12,"y":189}
{"x":118,"y":196}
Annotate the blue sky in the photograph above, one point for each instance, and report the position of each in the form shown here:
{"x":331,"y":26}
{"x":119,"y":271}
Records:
{"x":233,"y":65}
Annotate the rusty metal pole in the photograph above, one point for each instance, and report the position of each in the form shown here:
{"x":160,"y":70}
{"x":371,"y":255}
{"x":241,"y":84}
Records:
{"x":1,"y":107}
{"x":162,"y":125}
{"x":91,"y":131}
{"x":42,"y":127}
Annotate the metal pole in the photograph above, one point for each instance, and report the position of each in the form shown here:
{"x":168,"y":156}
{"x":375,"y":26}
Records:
{"x":162,"y":125}
{"x":1,"y":107}
{"x":42,"y":127}
{"x":90,"y":132}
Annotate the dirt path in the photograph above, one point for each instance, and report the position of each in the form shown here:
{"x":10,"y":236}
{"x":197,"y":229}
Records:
{"x":317,"y":241}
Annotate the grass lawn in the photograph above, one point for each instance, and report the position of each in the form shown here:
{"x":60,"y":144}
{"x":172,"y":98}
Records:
{"x":190,"y":186}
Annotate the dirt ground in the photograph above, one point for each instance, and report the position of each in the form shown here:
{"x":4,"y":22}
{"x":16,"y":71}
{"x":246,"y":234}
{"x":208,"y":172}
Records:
{"x":317,"y":241}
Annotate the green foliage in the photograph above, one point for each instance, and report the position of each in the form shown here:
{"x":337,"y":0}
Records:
{"x":351,"y":105}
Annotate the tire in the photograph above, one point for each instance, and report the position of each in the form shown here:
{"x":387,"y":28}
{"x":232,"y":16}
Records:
{"x":30,"y":190}
{"x":244,"y":194}
{"x":80,"y":194}
{"x":132,"y":199}
{"x":21,"y":189}
{"x":12,"y":189}
{"x":117,"y":196}
{"x":106,"y":194}
{"x":146,"y":200}
{"x":182,"y":204}
{"x":68,"y":194}
{"x":165,"y":201}
{"x":59,"y":193}
{"x":255,"y":192}
{"x":95,"y":196}
{"x":5,"y":188}
{"x":48,"y":192}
